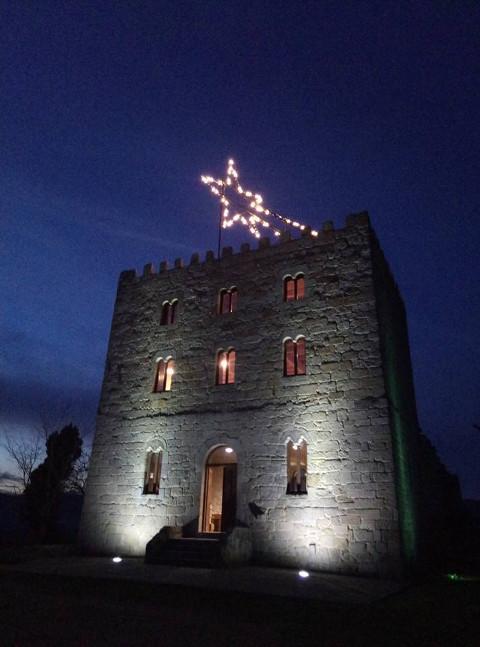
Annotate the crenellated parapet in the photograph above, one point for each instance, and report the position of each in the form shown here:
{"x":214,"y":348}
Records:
{"x":325,"y":235}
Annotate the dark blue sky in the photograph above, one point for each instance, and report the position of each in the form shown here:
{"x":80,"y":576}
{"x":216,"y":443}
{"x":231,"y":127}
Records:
{"x":111,"y":111}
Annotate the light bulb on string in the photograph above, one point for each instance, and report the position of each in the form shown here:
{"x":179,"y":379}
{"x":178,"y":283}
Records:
{"x":247,"y":205}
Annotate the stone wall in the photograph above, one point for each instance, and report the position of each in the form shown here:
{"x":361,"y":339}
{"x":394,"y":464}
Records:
{"x":348,"y":521}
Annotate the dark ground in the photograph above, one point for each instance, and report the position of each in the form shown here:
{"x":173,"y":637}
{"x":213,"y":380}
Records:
{"x":58,"y":610}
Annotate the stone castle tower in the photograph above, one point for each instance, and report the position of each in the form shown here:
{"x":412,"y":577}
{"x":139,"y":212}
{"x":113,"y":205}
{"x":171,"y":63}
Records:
{"x":269,"y":390}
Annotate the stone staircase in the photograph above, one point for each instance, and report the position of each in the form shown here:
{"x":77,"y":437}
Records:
{"x":189,"y":551}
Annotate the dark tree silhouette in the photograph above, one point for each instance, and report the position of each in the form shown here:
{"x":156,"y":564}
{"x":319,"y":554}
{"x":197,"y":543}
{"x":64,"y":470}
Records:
{"x":47,"y":482}
{"x":25,"y":452}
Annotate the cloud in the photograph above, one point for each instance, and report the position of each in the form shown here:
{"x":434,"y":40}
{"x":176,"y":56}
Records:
{"x":10,"y":483}
{"x":8,"y":476}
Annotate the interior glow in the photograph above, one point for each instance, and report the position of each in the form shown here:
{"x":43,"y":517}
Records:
{"x":224,"y":363}
{"x":304,"y":574}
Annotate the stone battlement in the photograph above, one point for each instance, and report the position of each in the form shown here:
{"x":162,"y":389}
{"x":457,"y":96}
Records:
{"x":325,"y":235}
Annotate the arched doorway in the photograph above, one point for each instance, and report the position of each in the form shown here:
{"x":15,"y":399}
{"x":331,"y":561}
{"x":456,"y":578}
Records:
{"x":220,"y":490}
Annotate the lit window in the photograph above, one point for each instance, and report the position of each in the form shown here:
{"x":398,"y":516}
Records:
{"x":299,"y":287}
{"x":233,"y":299}
{"x":163,"y":375}
{"x":226,"y":366}
{"x":169,"y":313}
{"x":228,"y":300}
{"x":294,"y":288}
{"x":297,"y":467}
{"x":289,"y":289}
{"x":294,"y":357}
{"x":152,"y":472}
{"x":301,"y":364}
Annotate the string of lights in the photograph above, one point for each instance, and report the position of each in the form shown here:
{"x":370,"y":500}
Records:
{"x":239,"y":205}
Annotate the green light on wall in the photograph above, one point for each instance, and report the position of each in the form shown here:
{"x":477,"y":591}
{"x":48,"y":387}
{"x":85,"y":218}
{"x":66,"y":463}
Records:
{"x":455,"y":577}
{"x":401,"y":433}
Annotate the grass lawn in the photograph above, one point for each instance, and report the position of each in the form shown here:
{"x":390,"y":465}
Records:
{"x":57,"y":610}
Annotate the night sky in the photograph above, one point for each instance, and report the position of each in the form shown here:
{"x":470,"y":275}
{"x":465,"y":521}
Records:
{"x":109,"y":113}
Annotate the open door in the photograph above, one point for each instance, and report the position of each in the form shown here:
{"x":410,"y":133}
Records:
{"x":220,"y":490}
{"x":229,"y":497}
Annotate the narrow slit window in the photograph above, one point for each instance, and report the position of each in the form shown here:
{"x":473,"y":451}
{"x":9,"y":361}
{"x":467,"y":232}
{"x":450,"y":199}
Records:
{"x":233,"y":299}
{"x":294,"y":357}
{"x":224,"y":302}
{"x":169,"y":313}
{"x":152,"y":472}
{"x":226,"y":367}
{"x":294,"y":288}
{"x":222,"y":365}
{"x":228,"y":300}
{"x":173,"y":311}
{"x":231,"y":356}
{"x":301,"y":364}
{"x":297,"y":467}
{"x":164,"y":375}
{"x":159,"y":376}
{"x":165,"y":316}
{"x":289,"y":289}
{"x":299,"y":287}
{"x":169,"y":372}
{"x":289,"y":357}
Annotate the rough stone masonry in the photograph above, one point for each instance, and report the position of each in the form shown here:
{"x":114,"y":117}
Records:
{"x":358,"y":515}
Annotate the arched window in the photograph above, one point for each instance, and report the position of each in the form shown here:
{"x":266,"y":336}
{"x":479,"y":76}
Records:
{"x":294,"y":357}
{"x":227,"y":300}
{"x":288,"y":289}
{"x":173,"y":311}
{"x":226,"y":366}
{"x":297,"y":467}
{"x":169,"y":313}
{"x":294,"y":288}
{"x":153,"y":466}
{"x":165,"y":317}
{"x":163,"y":375}
{"x":299,"y":287}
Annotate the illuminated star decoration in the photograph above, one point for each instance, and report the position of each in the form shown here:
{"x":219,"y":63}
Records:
{"x":246,"y":207}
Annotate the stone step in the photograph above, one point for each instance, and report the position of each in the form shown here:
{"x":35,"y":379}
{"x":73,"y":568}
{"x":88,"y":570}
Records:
{"x":199,"y":552}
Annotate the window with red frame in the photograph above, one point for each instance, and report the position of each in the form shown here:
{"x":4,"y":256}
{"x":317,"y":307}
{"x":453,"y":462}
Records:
{"x":228,"y":300}
{"x":169,"y":313}
{"x":163,"y":375}
{"x":152,"y":472}
{"x":226,"y":367}
{"x":294,"y":357}
{"x":294,"y":288}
